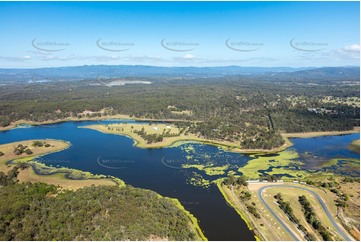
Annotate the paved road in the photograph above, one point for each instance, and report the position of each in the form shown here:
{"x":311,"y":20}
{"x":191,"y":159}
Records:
{"x":324,"y":207}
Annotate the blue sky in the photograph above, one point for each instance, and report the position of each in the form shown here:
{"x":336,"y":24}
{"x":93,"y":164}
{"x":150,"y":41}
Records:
{"x":295,"y":34}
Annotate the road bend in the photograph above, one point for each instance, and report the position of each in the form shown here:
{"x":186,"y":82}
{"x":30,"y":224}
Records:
{"x":319,"y":199}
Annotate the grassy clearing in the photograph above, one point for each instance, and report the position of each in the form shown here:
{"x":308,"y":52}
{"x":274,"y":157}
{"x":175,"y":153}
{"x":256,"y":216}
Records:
{"x":291,"y":195}
{"x":177,"y":111}
{"x":8,"y":150}
{"x":185,"y":137}
{"x":59,"y":179}
{"x":297,"y":210}
{"x":350,"y":101}
{"x":271,"y":201}
{"x":128,"y":130}
{"x":353,"y":190}
{"x":183,"y":112}
{"x":351,"y":214}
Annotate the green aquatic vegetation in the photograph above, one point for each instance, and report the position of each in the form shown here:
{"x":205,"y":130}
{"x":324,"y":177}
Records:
{"x":181,"y":143}
{"x":217,"y":170}
{"x":207,"y":156}
{"x":193,"y":219}
{"x":118,"y":181}
{"x":355,"y":146}
{"x":285,"y":158}
{"x":353,"y":163}
{"x":197,"y":180}
{"x":43,"y":169}
{"x":188,"y":148}
{"x":74,"y":174}
{"x":289,"y":171}
{"x":342,"y":165}
{"x":342,"y":162}
{"x":230,"y":173}
{"x":210,"y":170}
{"x":199,"y":167}
{"x":330,"y":163}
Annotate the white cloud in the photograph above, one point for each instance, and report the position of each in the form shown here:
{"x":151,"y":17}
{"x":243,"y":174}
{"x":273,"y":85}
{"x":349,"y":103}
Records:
{"x":14,"y":58}
{"x":352,"y":48}
{"x":346,"y":55}
{"x":189,"y":56}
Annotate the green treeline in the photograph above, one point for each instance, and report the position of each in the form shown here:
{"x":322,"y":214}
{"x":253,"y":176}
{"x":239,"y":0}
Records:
{"x":286,"y":207}
{"x":312,"y":219}
{"x":251,"y":111}
{"x":42,"y":212}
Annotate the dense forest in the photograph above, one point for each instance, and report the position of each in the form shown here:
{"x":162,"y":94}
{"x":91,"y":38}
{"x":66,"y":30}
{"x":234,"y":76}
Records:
{"x":44,"y":212}
{"x":251,"y":110}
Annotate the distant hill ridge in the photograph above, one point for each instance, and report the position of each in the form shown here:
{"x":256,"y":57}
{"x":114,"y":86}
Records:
{"x":113,"y":71}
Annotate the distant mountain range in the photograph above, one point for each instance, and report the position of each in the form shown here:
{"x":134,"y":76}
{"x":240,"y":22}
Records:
{"x":114,"y":71}
{"x":325,"y":72}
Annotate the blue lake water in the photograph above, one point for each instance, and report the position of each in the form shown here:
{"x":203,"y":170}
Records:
{"x":160,"y":169}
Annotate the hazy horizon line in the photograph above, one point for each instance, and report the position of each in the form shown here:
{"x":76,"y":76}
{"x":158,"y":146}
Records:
{"x":162,"y":66}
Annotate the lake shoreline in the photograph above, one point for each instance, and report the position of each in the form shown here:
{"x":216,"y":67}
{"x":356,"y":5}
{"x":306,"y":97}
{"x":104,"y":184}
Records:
{"x":319,"y":134}
{"x":74,"y":126}
{"x":59,"y":178}
{"x":240,"y":212}
{"x":355,"y":146}
{"x":56,"y":121}
{"x":226,"y":147}
{"x":39,"y":151}
{"x":167,"y":142}
{"x":176,"y":141}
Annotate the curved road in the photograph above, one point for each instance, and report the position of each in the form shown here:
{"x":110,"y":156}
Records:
{"x":324,"y":207}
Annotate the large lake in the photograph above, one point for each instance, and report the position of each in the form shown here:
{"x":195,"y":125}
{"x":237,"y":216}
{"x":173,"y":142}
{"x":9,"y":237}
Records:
{"x":160,"y":169}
